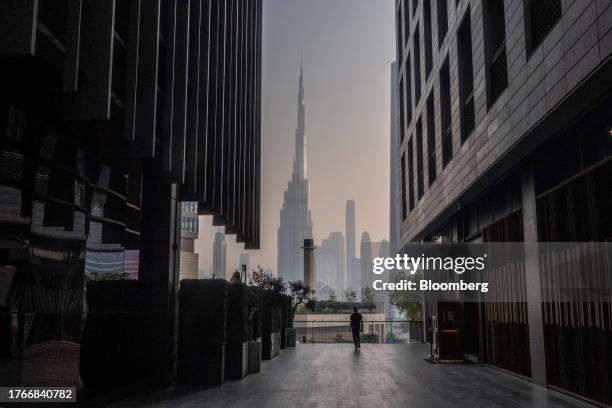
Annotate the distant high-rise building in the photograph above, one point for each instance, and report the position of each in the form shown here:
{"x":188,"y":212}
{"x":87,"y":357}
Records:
{"x":365,"y":253}
{"x":330,"y":263}
{"x":384,"y":248}
{"x":295,"y":221}
{"x":189,"y":233}
{"x":219,"y":256}
{"x":394,"y":201}
{"x":350,"y":242}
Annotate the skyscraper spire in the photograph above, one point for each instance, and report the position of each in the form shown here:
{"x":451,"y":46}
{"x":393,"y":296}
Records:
{"x":295,"y":221}
{"x":299,"y":162}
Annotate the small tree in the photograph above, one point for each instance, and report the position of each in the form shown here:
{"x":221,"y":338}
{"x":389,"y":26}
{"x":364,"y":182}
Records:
{"x":350,"y":296}
{"x":368,"y":299}
{"x":299,"y":293}
{"x":332,"y":295}
{"x":262,"y":279}
{"x":408,"y":302}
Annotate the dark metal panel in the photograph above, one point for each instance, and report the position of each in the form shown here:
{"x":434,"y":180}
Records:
{"x":229,"y":117}
{"x":189,"y":187}
{"x":132,"y":70}
{"x":257,"y":198}
{"x":248,"y":204}
{"x":73,"y":40}
{"x":18,"y":20}
{"x":145,"y":120}
{"x":179,"y":99}
{"x":204,"y":100}
{"x":215,"y":114}
{"x":97,"y":59}
{"x":239,"y":184}
{"x":168,"y":86}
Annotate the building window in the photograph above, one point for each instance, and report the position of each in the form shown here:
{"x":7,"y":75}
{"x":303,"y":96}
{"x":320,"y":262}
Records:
{"x":408,"y":92}
{"x":417,"y":65}
{"x":401,"y":109}
{"x":445,"y":114}
{"x":415,"y":4}
{"x":495,"y":49}
{"x":540,"y":18}
{"x":466,"y":77}
{"x":431,"y":139}
{"x":419,"y":159}
{"x":442,"y":11}
{"x":403,"y":180}
{"x":399,"y":36}
{"x":410,"y":175}
{"x":427,"y":36}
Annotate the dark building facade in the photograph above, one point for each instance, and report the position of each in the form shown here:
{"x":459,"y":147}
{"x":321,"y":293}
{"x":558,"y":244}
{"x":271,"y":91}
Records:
{"x":111,"y":113}
{"x":506,"y":135}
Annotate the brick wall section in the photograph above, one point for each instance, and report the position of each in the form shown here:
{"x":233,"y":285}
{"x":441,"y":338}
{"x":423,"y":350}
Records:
{"x":575,"y":47}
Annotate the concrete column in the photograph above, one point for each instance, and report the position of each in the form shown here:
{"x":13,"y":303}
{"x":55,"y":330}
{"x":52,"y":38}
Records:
{"x":533,"y":277}
{"x":159,"y":271}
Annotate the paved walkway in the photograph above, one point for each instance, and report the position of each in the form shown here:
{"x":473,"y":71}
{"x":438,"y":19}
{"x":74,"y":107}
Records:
{"x":333,"y":375}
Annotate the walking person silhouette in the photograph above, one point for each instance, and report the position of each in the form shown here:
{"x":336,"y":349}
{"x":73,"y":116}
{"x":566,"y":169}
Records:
{"x":356,"y":327}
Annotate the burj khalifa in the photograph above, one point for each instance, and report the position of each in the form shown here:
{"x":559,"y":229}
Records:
{"x":295,"y":218}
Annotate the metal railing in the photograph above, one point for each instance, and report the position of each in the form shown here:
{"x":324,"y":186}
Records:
{"x":381,"y":332}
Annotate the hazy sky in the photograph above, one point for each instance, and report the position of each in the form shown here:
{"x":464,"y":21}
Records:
{"x":347,"y":46}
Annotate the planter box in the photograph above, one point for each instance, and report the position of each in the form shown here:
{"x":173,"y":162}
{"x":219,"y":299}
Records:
{"x":116,"y":336}
{"x":254,"y":357}
{"x":236,"y":351}
{"x":272,"y":304}
{"x":236,"y":360}
{"x":255,"y":314}
{"x":113,"y":350}
{"x":286,"y":310}
{"x":290,"y":337}
{"x":201,"y":334}
{"x":276,"y":343}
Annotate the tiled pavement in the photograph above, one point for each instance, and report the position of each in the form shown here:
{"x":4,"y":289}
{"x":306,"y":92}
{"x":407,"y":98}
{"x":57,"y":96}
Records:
{"x":333,"y":375}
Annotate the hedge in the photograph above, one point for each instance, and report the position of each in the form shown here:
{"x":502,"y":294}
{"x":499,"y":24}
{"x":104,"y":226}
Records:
{"x":202,"y":330}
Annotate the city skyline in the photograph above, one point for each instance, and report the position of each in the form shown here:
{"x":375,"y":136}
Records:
{"x":348,"y":118}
